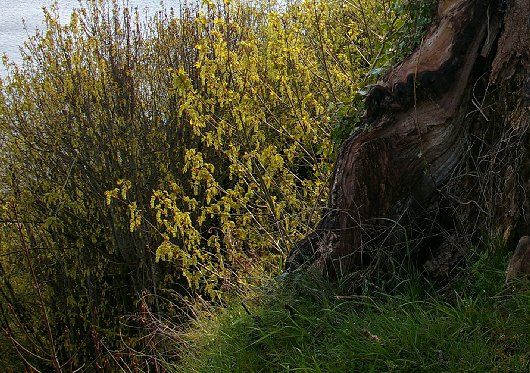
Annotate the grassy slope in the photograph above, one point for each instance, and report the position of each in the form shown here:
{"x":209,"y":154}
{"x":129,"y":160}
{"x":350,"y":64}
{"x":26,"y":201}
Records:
{"x":299,"y":325}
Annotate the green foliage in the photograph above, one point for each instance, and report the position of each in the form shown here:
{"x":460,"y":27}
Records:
{"x":484,"y":274}
{"x":380,"y":35}
{"x":300,"y":325}
{"x":173,"y":157}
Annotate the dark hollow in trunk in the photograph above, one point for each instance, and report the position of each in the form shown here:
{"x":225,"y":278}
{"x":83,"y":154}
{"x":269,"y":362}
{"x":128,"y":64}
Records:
{"x":415,"y":179}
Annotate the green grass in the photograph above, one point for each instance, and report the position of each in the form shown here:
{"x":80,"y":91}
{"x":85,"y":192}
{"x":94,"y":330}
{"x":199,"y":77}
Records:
{"x":300,"y":324}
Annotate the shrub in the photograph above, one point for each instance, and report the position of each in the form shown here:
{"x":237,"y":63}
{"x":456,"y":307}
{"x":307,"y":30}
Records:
{"x":150,"y":161}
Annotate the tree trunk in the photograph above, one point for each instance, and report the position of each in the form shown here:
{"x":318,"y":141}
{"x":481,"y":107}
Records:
{"x":443,"y":157}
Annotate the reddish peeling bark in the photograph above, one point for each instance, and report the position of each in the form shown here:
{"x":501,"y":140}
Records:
{"x":417,"y":128}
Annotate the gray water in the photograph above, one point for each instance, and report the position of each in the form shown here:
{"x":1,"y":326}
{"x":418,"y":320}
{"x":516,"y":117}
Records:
{"x":19,"y":18}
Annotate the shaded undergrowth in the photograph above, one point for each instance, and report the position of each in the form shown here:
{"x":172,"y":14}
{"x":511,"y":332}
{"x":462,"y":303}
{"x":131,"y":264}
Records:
{"x":302,"y":324}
